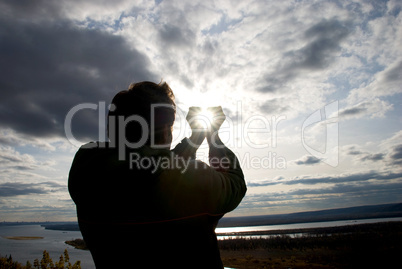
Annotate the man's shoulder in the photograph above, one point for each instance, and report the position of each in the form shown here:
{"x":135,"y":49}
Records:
{"x":96,"y":145}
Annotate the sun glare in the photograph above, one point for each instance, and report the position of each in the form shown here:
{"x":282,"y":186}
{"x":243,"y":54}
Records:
{"x":205,"y":117}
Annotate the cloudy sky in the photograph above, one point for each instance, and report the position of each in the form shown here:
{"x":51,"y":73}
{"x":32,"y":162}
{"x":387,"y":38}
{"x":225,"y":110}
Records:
{"x":312,"y":91}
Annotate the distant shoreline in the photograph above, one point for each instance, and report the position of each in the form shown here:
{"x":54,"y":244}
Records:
{"x":339,"y":214}
{"x":23,"y":237}
{"x":315,"y":231}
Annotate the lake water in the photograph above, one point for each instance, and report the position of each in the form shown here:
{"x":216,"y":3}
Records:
{"x":53,"y":241}
{"x":302,"y":225}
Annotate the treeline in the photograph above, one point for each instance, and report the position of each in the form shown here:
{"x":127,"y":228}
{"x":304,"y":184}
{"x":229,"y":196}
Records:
{"x":45,"y":263}
{"x":359,"y":246}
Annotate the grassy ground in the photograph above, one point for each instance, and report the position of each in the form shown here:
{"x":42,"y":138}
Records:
{"x":358,"y":246}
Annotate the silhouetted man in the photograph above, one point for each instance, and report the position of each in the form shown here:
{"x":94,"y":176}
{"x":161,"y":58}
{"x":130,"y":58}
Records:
{"x":142,"y":205}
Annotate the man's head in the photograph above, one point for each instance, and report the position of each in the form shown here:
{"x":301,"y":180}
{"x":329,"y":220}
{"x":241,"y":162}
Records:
{"x":135,"y":111}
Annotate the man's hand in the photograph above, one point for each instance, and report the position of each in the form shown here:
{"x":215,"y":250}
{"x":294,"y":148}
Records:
{"x":218,"y":118}
{"x":203,"y":125}
{"x":198,"y":132}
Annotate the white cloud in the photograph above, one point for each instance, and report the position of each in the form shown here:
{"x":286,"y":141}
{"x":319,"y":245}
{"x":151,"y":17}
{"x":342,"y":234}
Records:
{"x":284,"y":58}
{"x":10,"y":158}
{"x":307,"y":160}
{"x":386,"y":83}
{"x":261,"y":49}
{"x":89,"y":11}
{"x":394,"y":140}
{"x":374,"y":108}
{"x":12,"y":138}
{"x":104,"y":10}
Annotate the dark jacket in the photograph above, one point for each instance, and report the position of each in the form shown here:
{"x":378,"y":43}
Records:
{"x":138,"y":212}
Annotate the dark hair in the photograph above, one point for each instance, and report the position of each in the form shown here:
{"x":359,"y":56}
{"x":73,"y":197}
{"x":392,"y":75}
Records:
{"x":140,"y":99}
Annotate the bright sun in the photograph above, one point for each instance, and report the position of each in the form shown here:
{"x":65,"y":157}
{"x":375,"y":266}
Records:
{"x":205,"y":117}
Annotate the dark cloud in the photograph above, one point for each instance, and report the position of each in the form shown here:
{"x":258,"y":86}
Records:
{"x":171,"y":35}
{"x":394,"y":74}
{"x":396,"y":154}
{"x":52,"y":184}
{"x":47,"y":68}
{"x":352,"y":150}
{"x":22,"y":167}
{"x":323,"y":42}
{"x":358,"y":177}
{"x":14,"y":189}
{"x":373,"y":108}
{"x":308,"y":160}
{"x":325,"y":38}
{"x":275,"y":106}
{"x":373,"y":157}
{"x":10,"y":189}
{"x":352,"y":111}
{"x":355,"y":152}
{"x":31,"y":10}
{"x":6,"y":159}
{"x":276,"y":81}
